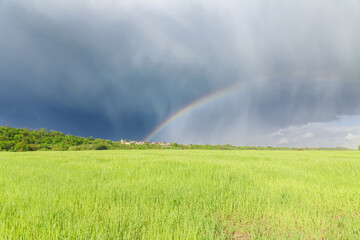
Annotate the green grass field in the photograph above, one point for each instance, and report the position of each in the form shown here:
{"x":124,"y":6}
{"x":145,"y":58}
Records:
{"x":154,"y":194}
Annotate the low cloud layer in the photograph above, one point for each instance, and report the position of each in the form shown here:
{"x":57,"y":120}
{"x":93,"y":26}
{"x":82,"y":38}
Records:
{"x":332,"y":134}
{"x":119,"y":69}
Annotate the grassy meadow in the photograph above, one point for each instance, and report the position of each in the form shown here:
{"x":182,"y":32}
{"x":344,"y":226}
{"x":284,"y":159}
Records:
{"x":174,"y":194}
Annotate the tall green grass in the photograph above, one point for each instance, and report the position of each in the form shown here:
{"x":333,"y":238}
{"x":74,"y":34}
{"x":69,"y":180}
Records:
{"x":156,"y":194}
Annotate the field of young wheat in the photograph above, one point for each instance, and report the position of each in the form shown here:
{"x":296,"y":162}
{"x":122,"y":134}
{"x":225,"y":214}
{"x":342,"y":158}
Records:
{"x":174,"y":194}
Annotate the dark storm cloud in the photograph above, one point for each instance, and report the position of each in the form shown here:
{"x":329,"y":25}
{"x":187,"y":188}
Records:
{"x":71,"y":75}
{"x":118,"y":69}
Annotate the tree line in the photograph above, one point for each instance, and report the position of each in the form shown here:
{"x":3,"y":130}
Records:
{"x":23,"y":139}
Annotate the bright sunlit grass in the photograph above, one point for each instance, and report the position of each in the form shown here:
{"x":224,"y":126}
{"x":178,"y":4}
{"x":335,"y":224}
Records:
{"x":154,"y":194}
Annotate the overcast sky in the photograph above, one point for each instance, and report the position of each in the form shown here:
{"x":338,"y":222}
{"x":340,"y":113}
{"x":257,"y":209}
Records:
{"x":118,"y":69}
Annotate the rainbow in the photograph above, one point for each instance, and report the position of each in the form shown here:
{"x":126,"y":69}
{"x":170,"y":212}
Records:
{"x":199,"y":102}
